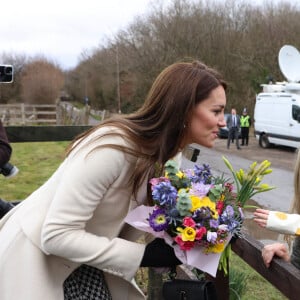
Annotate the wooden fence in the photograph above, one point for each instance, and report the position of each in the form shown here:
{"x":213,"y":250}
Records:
{"x":23,"y":114}
{"x":62,"y":113}
{"x":284,"y":276}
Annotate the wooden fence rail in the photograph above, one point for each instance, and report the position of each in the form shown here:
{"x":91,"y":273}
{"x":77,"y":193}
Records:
{"x":62,"y":113}
{"x":282,"y":275}
{"x":21,"y":113}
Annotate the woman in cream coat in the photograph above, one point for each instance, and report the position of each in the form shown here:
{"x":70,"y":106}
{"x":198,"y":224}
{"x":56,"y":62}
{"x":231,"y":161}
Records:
{"x":77,"y":217}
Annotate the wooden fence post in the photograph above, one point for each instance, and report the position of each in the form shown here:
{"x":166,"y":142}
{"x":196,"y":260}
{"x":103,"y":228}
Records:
{"x":23,"y":117}
{"x":154,"y":285}
{"x":222,"y":283}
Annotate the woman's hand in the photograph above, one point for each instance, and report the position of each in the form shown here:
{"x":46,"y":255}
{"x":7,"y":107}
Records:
{"x":278,"y":249}
{"x":261,"y":217}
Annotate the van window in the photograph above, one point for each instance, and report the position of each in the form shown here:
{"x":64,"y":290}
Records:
{"x":296,"y":112}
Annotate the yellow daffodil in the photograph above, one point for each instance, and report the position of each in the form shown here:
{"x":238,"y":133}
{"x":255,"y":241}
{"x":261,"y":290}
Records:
{"x":247,"y":184}
{"x":187,"y":233}
{"x":217,"y":248}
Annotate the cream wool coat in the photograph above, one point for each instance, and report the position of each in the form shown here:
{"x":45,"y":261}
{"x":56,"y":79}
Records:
{"x":75,"y":218}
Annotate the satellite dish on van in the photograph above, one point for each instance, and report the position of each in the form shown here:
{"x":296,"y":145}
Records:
{"x":289,"y":63}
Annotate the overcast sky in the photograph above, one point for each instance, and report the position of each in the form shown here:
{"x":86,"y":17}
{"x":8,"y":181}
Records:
{"x":62,"y":29}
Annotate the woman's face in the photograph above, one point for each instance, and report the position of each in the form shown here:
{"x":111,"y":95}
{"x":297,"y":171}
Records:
{"x":206,"y":120}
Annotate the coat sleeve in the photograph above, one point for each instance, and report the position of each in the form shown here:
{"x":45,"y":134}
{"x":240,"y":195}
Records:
{"x":284,"y":223}
{"x":5,"y":148}
{"x":83,"y":189}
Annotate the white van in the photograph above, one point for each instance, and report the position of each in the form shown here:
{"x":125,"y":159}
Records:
{"x":277,"y":108}
{"x":277,"y":119}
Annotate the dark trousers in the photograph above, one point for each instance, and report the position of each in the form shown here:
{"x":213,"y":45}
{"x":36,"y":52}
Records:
{"x":233,"y":134}
{"x":245,"y":135}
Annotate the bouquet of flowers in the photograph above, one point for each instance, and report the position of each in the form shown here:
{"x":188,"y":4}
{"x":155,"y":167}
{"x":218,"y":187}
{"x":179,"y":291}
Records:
{"x":198,"y":213}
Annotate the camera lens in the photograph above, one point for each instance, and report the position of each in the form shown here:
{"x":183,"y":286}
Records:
{"x":8,"y":70}
{"x":6,"y":73}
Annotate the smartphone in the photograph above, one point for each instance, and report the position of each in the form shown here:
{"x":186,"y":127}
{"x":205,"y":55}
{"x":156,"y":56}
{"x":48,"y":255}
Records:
{"x":6,"y":73}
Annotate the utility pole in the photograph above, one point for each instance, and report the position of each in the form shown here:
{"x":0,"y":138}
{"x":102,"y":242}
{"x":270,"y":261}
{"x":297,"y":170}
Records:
{"x":118,"y":80}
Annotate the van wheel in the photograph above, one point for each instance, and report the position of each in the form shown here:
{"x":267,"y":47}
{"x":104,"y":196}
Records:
{"x":264,"y":141}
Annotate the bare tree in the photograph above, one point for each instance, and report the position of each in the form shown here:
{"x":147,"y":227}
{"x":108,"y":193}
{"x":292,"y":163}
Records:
{"x":41,"y":82}
{"x":240,"y":38}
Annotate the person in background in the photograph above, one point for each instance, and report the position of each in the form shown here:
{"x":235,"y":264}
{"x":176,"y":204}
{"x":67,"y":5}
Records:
{"x":70,"y":233}
{"x":233,"y":125}
{"x":288,"y":224}
{"x":5,"y":154}
{"x":245,"y":120}
{"x":5,"y":148}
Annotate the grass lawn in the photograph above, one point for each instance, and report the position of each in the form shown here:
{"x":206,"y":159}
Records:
{"x":37,"y":161}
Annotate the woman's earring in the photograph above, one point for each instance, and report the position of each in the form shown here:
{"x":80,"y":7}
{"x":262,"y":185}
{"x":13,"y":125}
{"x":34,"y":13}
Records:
{"x":184,"y":126}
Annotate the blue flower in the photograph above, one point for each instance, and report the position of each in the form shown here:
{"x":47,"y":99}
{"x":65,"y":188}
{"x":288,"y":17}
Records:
{"x":229,"y":219}
{"x":228,"y":213}
{"x":202,"y":174}
{"x":174,"y":216}
{"x":233,"y":224}
{"x":165,"y":194}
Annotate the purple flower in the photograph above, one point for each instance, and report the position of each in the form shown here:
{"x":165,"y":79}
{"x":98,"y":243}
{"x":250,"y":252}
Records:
{"x":189,"y":173}
{"x":241,"y":213}
{"x":200,"y":189}
{"x":202,"y":213}
{"x":158,"y":220}
{"x":228,"y":212}
{"x":165,"y":194}
{"x":228,"y":218}
{"x":213,"y":223}
{"x":233,"y":225}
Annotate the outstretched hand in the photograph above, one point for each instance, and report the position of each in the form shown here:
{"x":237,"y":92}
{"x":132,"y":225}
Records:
{"x":276,"y":249}
{"x":261,"y":217}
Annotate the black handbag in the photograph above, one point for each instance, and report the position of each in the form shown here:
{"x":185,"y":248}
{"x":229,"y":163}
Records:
{"x":182,"y":289}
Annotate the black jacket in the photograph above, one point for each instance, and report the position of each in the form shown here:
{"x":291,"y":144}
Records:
{"x":5,"y":148}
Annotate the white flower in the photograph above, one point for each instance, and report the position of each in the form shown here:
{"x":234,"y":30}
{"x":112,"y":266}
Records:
{"x":223,"y":227}
{"x":211,"y":236}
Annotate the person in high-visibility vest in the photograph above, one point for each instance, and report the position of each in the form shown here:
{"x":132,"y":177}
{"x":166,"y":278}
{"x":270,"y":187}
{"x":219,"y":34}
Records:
{"x":245,"y":121}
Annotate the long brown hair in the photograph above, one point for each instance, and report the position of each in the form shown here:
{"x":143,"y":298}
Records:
{"x":295,"y":204}
{"x":157,"y":128}
{"x":295,"y":207}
